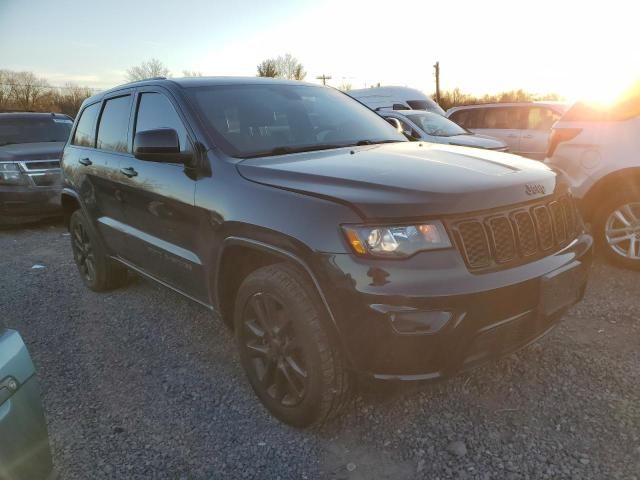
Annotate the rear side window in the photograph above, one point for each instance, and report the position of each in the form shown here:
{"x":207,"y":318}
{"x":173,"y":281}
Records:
{"x":540,"y":118}
{"x":502,"y":118}
{"x":114,"y":124}
{"x":469,"y":118}
{"x":156,"y":111}
{"x":85,"y":131}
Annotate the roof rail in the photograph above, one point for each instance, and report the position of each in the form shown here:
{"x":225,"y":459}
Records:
{"x":145,"y":80}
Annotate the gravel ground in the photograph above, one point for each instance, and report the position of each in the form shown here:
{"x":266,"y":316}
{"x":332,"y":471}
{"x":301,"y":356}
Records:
{"x":141,"y":383}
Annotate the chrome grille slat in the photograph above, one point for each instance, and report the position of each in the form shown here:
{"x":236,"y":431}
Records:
{"x":516,"y":235}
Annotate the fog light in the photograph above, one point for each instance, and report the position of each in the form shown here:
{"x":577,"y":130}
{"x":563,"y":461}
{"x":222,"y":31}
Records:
{"x":411,"y":321}
{"x":418,"y":322}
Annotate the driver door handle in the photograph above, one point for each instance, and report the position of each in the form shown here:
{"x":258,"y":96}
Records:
{"x":85,"y":161}
{"x":129,"y":172}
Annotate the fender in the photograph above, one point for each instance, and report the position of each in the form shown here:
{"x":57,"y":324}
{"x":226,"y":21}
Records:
{"x":286,"y":255}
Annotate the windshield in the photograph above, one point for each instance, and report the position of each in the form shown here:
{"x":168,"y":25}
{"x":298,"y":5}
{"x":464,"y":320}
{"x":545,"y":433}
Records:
{"x":34,"y":130}
{"x":428,"y":105}
{"x":437,"y":125}
{"x":257,"y":120}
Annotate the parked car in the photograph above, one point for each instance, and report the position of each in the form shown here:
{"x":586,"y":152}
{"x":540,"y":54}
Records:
{"x":330,"y":243}
{"x":24,"y":442}
{"x":599,"y":151}
{"x":395,"y":98}
{"x":434,"y":128}
{"x":524,"y":127}
{"x":30,"y":149}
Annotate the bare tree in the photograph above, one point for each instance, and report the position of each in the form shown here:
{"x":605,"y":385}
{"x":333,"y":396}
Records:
{"x":25,"y":89}
{"x":149,"y":69}
{"x":289,"y":68}
{"x":345,"y":87}
{"x":5,"y":88}
{"x":191,"y":73}
{"x":268,"y":68}
{"x":69,"y":98}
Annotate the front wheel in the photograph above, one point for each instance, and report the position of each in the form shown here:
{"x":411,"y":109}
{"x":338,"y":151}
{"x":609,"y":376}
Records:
{"x":287,"y":353}
{"x":617,"y":229}
{"x":97,"y":270}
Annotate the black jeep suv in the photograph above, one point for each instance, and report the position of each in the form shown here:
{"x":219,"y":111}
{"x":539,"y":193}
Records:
{"x":30,"y":149}
{"x":329,"y":243}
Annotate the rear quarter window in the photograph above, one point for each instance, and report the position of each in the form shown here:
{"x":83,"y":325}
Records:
{"x":84,"y":135}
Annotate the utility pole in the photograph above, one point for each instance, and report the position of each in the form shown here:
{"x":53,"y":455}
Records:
{"x":437,"y":69}
{"x":324,"y":78}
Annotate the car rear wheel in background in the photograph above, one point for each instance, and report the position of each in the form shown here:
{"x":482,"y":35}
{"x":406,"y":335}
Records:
{"x":617,"y":229}
{"x":97,"y":270}
{"x":285,"y":348}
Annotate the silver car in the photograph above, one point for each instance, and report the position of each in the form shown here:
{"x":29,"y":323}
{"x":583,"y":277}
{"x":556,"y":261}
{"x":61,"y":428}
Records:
{"x":598,"y":149}
{"x":434,"y":128}
{"x":525,"y":126}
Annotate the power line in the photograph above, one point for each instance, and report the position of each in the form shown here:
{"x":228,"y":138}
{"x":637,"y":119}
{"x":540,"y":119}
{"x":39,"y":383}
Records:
{"x":49,"y":86}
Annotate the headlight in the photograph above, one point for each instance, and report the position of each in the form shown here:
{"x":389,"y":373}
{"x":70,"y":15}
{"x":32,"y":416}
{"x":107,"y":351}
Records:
{"x":397,"y":241}
{"x":10,"y":174}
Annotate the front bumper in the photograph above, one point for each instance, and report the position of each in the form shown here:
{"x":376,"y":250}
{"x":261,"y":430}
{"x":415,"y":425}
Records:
{"x":470,"y":318}
{"x":28,"y":203}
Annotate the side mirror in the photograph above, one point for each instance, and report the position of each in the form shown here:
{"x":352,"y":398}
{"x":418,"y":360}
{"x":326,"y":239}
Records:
{"x":160,"y":145}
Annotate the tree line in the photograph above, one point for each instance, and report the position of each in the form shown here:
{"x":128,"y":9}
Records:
{"x":24,"y":91}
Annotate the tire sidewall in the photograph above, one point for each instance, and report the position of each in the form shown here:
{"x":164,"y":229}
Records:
{"x":78,"y":217}
{"x":298,"y":306}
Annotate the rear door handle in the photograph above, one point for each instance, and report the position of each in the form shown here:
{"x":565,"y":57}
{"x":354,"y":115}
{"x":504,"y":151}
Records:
{"x":528,"y":136}
{"x":129,"y":172}
{"x":85,"y":161}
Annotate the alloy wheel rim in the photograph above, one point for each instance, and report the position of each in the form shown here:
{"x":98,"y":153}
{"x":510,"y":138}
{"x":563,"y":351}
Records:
{"x":83,"y":252}
{"x":273,"y":350}
{"x":622,"y":230}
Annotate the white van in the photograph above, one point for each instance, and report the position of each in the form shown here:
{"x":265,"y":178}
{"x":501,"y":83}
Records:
{"x":395,"y":98}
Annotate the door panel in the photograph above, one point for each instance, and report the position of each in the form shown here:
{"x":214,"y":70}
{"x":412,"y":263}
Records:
{"x":161,"y":222}
{"x":503,"y":123}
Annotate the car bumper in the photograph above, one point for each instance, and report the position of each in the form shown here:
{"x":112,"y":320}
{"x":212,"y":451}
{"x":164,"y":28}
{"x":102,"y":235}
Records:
{"x":428,"y":317}
{"x":28,"y":203}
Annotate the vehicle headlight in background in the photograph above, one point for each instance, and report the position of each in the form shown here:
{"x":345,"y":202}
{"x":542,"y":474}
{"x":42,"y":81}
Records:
{"x":397,"y":241}
{"x":10,"y":174}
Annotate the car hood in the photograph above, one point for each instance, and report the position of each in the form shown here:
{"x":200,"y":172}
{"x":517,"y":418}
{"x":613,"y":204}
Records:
{"x":407,"y":179}
{"x":31,"y":151}
{"x":475,"y":140}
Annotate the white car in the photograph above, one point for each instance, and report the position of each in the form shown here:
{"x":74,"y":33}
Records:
{"x":434,"y":128}
{"x":524,"y":126}
{"x":599,"y":151}
{"x":395,"y":98}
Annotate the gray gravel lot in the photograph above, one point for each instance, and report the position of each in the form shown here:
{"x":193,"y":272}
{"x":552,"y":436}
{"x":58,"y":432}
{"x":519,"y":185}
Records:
{"x":141,"y":383}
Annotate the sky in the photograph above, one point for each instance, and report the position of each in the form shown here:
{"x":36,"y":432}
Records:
{"x":581,"y":50}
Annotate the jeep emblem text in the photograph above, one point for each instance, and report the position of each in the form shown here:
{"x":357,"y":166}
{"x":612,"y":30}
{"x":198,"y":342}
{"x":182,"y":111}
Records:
{"x":534,"y":189}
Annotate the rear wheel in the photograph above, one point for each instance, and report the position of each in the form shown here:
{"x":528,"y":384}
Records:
{"x":287,"y":354}
{"x":617,"y":229}
{"x":97,"y":270}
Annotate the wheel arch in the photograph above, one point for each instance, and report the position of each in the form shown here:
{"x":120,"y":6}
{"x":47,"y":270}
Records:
{"x":70,"y":203}
{"x":239,"y":256}
{"x":628,"y":178}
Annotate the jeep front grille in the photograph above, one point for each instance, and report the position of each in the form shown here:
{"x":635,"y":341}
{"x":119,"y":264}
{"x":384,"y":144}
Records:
{"x":508,"y":237}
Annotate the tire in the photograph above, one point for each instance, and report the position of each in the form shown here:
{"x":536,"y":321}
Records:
{"x":97,"y":270}
{"x":616,"y":226}
{"x":287,"y":353}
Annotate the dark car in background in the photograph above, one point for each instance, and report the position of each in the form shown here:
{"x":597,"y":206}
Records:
{"x":331,"y":244}
{"x":30,"y":149}
{"x":24,"y":442}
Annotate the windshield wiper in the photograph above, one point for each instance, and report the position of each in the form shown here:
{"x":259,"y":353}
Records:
{"x":284,"y":150}
{"x":372,"y":142}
